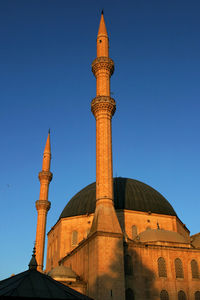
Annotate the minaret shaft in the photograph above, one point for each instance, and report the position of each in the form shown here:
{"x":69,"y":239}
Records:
{"x":44,"y":190}
{"x":40,"y":236}
{"x":104,"y":176}
{"x":103,"y":83}
{"x":103,"y":49}
{"x":46,"y":162}
{"x":43,"y":205}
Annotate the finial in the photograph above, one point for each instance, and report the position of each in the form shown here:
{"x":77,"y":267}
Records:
{"x":33,"y":263}
{"x":102,"y":12}
{"x":49,"y":131}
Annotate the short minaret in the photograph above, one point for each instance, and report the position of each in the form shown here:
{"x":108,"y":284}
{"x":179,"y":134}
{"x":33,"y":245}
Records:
{"x":103,"y":107}
{"x":43,"y":205}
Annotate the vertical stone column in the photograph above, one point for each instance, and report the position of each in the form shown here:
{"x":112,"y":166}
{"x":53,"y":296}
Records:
{"x":43,"y":205}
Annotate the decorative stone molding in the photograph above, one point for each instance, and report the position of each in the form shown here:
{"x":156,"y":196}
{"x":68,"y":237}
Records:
{"x":103,"y":103}
{"x":42,"y":204}
{"x":103,"y":62}
{"x":47,"y":175}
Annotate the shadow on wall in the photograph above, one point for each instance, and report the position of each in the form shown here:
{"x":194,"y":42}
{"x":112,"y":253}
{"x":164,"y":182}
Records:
{"x":138,"y":277}
{"x":139,"y":280}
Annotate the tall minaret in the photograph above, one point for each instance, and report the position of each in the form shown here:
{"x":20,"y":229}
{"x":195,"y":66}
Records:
{"x":103,"y":107}
{"x":43,"y":205}
{"x":105,"y":238}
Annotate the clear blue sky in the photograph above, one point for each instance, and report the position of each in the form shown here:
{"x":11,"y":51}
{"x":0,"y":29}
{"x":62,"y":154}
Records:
{"x":46,"y":50}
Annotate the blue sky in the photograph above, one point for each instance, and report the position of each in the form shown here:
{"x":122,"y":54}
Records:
{"x":46,"y":52}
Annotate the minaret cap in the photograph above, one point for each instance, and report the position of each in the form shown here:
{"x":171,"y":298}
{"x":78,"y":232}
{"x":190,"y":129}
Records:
{"x":102,"y":26}
{"x":48,"y":145}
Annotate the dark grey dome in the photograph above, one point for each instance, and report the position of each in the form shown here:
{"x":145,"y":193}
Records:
{"x":129,"y":194}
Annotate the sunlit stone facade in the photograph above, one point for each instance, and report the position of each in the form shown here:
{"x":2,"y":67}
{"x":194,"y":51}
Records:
{"x":121,"y":239}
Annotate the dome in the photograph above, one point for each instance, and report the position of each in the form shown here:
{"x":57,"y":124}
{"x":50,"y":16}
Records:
{"x":195,"y":240}
{"x":62,"y":272}
{"x":129,"y":194}
{"x":161,"y":235}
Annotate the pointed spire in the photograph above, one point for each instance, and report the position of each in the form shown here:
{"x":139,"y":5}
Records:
{"x":102,"y":26}
{"x":102,"y":39}
{"x":33,"y":263}
{"x":47,"y":155}
{"x":47,"y":148}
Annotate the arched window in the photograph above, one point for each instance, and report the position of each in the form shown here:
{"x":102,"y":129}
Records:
{"x":164,"y":295}
{"x":129,"y":295}
{"x":181,"y":295}
{"x":134,"y":231}
{"x":194,"y":269}
{"x":128,"y":265}
{"x":74,"y":238}
{"x":178,"y":268}
{"x":162,"y":271}
{"x":197,"y":295}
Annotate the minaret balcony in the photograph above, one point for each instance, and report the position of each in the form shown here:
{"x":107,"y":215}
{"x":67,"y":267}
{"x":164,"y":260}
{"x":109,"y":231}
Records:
{"x":103,"y":103}
{"x":45,"y":175}
{"x":43,"y":205}
{"x":103,"y":63}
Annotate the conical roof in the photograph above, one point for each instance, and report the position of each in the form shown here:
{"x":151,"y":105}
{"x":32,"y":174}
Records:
{"x":47,"y":148}
{"x":33,"y":284}
{"x":102,"y":27}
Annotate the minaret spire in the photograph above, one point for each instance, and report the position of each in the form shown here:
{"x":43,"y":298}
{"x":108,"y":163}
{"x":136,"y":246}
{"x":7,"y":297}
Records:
{"x":103,"y":107}
{"x":102,"y":39}
{"x":47,"y":155}
{"x":43,"y":205}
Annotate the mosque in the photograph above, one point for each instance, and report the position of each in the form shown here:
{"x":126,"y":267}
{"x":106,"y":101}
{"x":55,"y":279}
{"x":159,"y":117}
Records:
{"x":117,"y":238}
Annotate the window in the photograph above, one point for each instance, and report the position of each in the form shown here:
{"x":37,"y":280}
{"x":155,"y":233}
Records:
{"x":74,"y":238}
{"x":134,"y":231}
{"x":128,"y":265}
{"x":194,"y":269}
{"x":181,"y":295}
{"x":178,"y":268}
{"x":197,"y":295}
{"x":164,"y":295}
{"x":162,"y":271}
{"x":129,"y":295}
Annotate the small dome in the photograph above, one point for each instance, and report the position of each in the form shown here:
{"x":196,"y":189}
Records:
{"x":195,"y":240}
{"x":129,"y":194}
{"x":161,"y":235}
{"x":62,"y":272}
